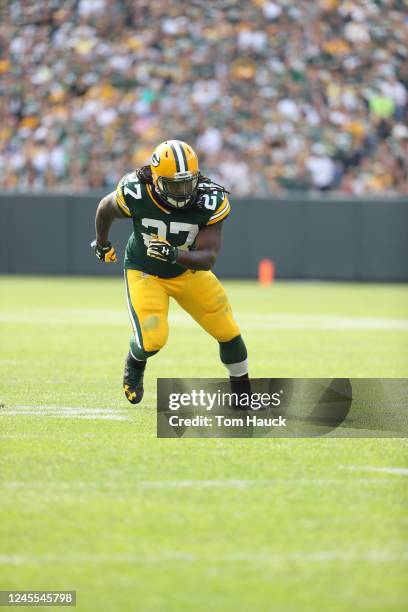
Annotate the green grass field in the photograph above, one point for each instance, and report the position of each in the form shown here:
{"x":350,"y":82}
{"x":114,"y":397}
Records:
{"x":91,"y":500}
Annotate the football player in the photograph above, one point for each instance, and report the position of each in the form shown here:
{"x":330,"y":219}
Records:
{"x":177,"y":216}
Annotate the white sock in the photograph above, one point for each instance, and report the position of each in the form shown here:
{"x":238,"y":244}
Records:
{"x":237,"y":369}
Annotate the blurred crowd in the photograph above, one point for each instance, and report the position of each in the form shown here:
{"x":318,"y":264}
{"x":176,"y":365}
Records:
{"x":275,"y":95}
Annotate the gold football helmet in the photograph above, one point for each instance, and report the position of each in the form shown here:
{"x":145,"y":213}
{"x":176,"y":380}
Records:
{"x":175,"y":173}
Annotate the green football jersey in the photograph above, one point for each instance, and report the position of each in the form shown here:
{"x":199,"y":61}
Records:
{"x":179,"y":227}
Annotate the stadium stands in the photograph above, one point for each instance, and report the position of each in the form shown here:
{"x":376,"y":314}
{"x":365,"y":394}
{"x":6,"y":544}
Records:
{"x":275,"y":96}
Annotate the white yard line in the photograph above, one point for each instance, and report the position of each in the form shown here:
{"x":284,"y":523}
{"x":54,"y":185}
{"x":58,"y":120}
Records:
{"x":371,"y":556}
{"x":262,"y":321}
{"x":73,"y":315}
{"x":245,"y":484}
{"x":396,"y":471}
{"x":66,"y":412}
{"x":51,"y":486}
{"x":311,"y":321}
{"x":89,"y":417}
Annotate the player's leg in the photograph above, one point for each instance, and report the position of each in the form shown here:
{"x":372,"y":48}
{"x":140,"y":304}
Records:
{"x":148,"y":305}
{"x":202,"y":295}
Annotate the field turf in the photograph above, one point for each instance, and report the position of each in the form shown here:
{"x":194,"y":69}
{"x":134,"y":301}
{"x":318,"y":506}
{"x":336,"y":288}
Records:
{"x":91,"y":500}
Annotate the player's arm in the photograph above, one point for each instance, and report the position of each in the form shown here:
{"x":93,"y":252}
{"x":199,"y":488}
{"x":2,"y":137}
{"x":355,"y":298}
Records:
{"x":107,"y":211}
{"x":207,"y":245}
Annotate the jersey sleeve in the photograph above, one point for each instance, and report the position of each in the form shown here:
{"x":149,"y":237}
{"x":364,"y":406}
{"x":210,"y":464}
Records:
{"x":222,"y":209}
{"x":128,"y":192}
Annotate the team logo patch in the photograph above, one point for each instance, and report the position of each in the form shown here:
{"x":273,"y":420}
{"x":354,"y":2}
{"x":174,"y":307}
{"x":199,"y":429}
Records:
{"x":155,"y":161}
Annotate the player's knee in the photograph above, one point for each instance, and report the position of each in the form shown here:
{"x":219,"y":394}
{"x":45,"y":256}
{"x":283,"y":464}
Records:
{"x":155,"y":341}
{"x":155,"y":344}
{"x":227,"y":332}
{"x":150,"y":336}
{"x":221,"y":324}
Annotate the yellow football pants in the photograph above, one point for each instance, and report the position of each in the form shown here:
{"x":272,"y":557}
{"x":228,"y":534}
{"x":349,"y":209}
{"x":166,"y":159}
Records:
{"x":199,"y":293}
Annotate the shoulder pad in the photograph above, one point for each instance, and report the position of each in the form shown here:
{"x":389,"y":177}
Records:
{"x":128,"y":192}
{"x":214,"y":202}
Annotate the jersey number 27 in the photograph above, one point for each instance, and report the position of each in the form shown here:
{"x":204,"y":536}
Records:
{"x":175,"y":228}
